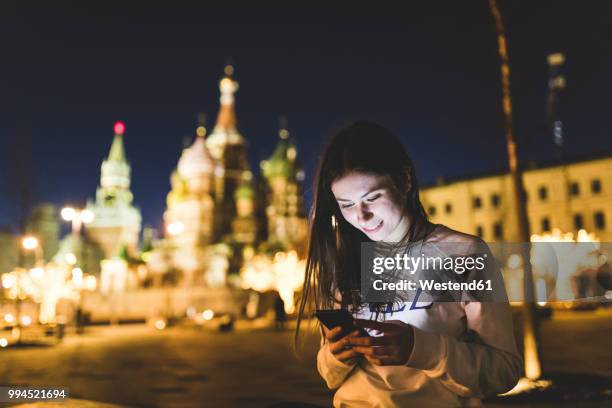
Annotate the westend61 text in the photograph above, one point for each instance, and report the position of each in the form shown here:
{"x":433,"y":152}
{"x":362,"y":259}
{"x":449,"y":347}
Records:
{"x":428,"y":285}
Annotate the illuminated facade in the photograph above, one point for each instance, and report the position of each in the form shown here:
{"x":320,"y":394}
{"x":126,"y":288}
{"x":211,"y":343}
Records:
{"x":245,"y":226}
{"x":287,"y":223}
{"x":217,"y":214}
{"x":228,"y":148}
{"x":212,"y":200}
{"x":9,"y":251}
{"x":190,"y":213}
{"x":116,"y":221}
{"x":43,"y":223}
{"x":570,"y":197}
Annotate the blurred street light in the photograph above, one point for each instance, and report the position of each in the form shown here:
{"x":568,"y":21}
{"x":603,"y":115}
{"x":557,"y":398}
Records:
{"x":77,"y":218}
{"x":77,"y":276}
{"x":87,"y":216}
{"x":175,"y":228}
{"x":37,"y":273}
{"x":68,"y":213}
{"x":26,"y":320}
{"x":29,"y":243}
{"x":70,"y":258}
{"x":208,"y":314}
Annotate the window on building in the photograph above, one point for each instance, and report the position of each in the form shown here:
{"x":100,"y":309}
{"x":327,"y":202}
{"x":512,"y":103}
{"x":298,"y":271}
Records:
{"x":545,"y":224}
{"x":479,"y":231}
{"x":448,"y":208}
{"x":432,"y":210}
{"x":498,"y":231}
{"x":495,"y":200}
{"x":543,"y":193}
{"x":574,"y":189}
{"x":595,"y":186}
{"x":477,"y":202}
{"x":600,"y":220}
{"x":578,"y":221}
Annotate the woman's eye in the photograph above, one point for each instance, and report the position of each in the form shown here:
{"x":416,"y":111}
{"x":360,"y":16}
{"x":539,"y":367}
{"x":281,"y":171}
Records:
{"x":346,"y":205}
{"x":373,"y":198}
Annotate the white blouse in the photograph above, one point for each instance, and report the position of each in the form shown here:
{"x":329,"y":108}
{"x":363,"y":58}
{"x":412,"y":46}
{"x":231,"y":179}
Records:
{"x":463,"y":351}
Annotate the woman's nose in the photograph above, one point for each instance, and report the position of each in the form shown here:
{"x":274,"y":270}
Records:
{"x":364,"y":214}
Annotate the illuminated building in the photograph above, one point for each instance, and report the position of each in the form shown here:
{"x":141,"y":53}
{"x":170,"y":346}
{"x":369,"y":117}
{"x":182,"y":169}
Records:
{"x":190,"y":213}
{"x":280,"y":265}
{"x":79,"y":251}
{"x":218,"y":214}
{"x":212,"y":199}
{"x":287,"y":223}
{"x":570,"y":197}
{"x":9,"y":251}
{"x":228,"y":148}
{"x":44,"y":225}
{"x":116,"y":221}
{"x":244,"y":225}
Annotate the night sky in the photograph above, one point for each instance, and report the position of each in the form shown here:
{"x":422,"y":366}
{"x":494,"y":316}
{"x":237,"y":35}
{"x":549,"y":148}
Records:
{"x":429,"y":72}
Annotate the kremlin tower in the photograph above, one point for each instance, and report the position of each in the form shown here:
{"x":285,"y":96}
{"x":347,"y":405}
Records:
{"x":116,"y":222}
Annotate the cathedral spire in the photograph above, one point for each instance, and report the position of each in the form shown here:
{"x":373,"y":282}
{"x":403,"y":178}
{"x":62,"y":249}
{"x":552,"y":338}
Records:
{"x":117,"y":151}
{"x":116,"y":169}
{"x":201,"y":129}
{"x":225,"y":133}
{"x":226,"y":119}
{"x":283,"y":132}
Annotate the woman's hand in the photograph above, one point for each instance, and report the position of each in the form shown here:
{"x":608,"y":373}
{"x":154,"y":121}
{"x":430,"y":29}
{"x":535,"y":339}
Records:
{"x":394,"y":347}
{"x":338,"y":345}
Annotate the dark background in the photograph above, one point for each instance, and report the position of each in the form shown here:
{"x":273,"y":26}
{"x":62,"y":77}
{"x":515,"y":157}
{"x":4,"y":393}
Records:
{"x":429,"y":71}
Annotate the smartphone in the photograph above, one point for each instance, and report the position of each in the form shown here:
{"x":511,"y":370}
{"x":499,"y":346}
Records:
{"x":337,"y":317}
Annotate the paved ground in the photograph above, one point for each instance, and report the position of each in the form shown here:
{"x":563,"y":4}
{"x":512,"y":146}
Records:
{"x":180,"y":367}
{"x":184,"y":367}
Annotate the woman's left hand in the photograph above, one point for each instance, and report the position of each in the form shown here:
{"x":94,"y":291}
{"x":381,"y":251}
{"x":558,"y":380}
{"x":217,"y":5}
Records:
{"x":394,"y":347}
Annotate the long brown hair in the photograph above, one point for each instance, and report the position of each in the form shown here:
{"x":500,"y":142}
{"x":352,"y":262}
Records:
{"x":332,"y":265}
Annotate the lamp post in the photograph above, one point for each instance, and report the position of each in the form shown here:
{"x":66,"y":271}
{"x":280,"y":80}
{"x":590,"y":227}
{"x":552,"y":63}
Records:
{"x":28,"y":243}
{"x":533,"y":368}
{"x":173,"y":229}
{"x":77,"y":217}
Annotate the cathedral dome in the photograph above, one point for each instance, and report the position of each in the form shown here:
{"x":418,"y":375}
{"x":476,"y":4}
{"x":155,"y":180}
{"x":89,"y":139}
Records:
{"x":196,"y":160}
{"x":244,"y":191}
{"x":282,"y":161}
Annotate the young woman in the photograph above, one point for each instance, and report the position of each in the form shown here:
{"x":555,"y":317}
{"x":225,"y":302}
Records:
{"x":421,"y":354}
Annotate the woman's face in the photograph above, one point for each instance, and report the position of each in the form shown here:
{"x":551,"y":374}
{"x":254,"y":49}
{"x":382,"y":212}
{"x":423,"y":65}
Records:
{"x":371,"y":203}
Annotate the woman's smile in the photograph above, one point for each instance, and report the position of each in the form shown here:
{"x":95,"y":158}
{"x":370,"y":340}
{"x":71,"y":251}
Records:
{"x":374,"y":229}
